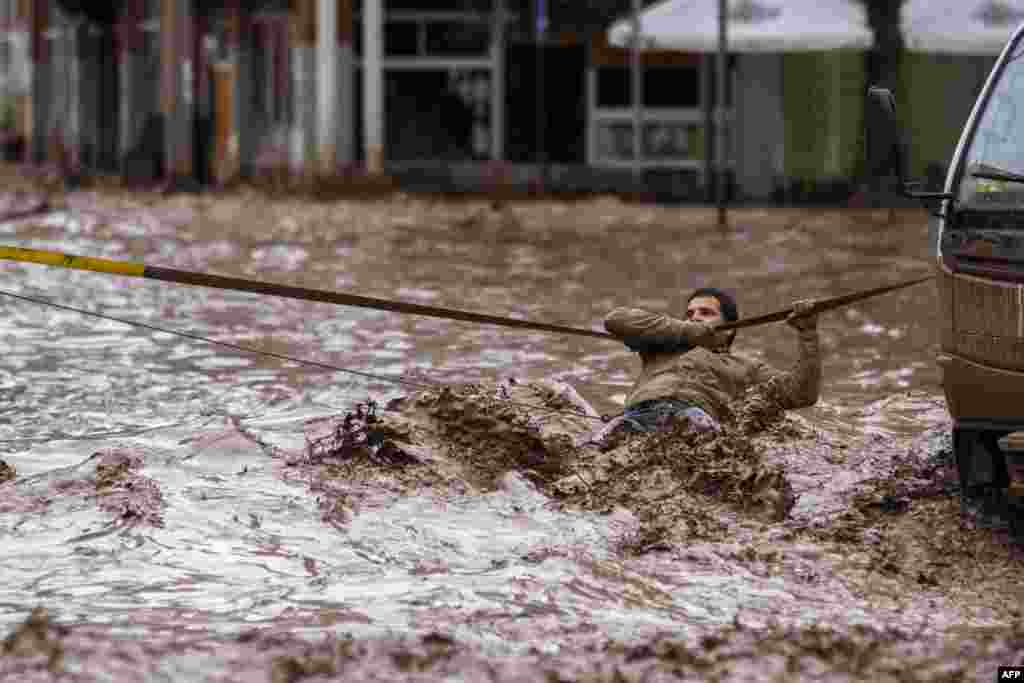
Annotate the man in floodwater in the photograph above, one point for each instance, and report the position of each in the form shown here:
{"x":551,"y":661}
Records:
{"x":690,"y":372}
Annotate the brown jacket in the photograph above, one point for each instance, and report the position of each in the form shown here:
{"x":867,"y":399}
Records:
{"x":680,"y":361}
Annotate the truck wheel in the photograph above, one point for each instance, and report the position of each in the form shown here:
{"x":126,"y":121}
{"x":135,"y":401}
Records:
{"x":983,"y":477}
{"x":1015,"y":512}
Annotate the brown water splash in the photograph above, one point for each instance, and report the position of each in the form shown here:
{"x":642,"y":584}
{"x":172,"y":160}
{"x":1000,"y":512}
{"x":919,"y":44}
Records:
{"x":815,"y":652}
{"x":735,"y":652}
{"x":426,"y":654}
{"x":125,"y":493}
{"x":471,"y":434}
{"x":34,"y":645}
{"x":457,"y":439}
{"x":7,"y":472}
{"x":37,"y":648}
{"x":347,"y":459}
{"x":677,"y":482}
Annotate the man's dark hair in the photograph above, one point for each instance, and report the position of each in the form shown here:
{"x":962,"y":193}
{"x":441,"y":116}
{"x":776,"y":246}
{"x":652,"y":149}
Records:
{"x":725,"y":302}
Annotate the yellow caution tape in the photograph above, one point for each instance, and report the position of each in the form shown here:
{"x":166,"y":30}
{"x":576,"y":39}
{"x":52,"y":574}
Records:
{"x":56,"y":258}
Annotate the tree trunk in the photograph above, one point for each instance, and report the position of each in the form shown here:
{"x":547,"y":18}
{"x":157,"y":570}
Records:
{"x":883,"y":61}
{"x":882,"y":68}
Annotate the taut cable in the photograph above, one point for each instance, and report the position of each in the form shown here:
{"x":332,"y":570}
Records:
{"x":271,"y":354}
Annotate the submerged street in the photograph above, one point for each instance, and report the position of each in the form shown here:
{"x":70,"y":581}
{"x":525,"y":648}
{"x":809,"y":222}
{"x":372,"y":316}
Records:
{"x":231,"y":558}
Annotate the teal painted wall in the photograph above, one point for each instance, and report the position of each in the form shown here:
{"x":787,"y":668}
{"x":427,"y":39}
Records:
{"x":934,"y":99}
{"x":823,"y":104}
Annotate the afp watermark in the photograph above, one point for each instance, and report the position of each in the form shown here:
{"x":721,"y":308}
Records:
{"x":1010,"y":673}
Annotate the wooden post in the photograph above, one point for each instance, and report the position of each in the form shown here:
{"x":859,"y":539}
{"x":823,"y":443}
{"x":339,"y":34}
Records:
{"x":177,"y":74}
{"x":637,"y":80}
{"x":721,"y":154}
{"x":168,"y":78}
{"x":187,"y":92}
{"x":590,"y":88}
{"x":225,"y":146}
{"x":127,"y":30}
{"x":168,"y":58}
{"x":41,"y":96}
{"x":303,"y":38}
{"x":709,"y":127}
{"x":22,"y":73}
{"x":284,"y":102}
{"x":327,"y":84}
{"x":233,"y":84}
{"x":498,"y":81}
{"x":72,"y":124}
{"x":373,"y":85}
{"x":346,"y":86}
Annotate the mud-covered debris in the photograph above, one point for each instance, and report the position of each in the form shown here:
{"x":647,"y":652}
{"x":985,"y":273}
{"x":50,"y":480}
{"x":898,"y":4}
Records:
{"x":679,"y":519}
{"x":364,"y":450}
{"x":335,"y":657}
{"x":38,"y":642}
{"x":422,"y":656}
{"x":674,"y":481}
{"x":291,"y":668}
{"x":458,"y":439}
{"x":336,"y":507}
{"x":913,"y":477}
{"x":125,"y":493}
{"x":815,"y":652}
{"x":359,"y":435}
{"x":493,"y":428}
{"x":734,"y":652}
{"x":761,"y":654}
{"x":495,"y":217}
{"x":113,"y":467}
{"x":677,"y":480}
{"x":904,"y":529}
{"x":7,"y":472}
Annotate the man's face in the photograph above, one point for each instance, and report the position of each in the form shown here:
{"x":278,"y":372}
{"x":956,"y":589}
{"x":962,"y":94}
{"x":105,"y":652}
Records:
{"x":704,"y":309}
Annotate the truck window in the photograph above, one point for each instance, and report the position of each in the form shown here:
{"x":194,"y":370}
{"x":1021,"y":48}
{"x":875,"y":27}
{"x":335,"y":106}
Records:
{"x":997,"y":146}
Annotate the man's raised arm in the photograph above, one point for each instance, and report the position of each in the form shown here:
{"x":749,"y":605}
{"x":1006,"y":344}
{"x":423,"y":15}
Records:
{"x":642,"y":330}
{"x":800,"y":386}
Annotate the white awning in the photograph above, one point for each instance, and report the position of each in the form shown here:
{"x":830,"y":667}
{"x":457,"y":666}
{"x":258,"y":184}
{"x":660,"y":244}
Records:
{"x":754,"y":26}
{"x":963,"y":27}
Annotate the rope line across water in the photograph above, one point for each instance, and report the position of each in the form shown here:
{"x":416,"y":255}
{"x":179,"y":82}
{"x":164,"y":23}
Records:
{"x":280,"y":356}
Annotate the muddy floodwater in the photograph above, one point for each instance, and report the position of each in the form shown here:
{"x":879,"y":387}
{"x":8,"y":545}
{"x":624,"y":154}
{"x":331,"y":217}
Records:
{"x":164,"y":513}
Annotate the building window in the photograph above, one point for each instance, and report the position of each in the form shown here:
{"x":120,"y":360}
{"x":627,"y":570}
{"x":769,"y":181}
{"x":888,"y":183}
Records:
{"x":662,"y":141}
{"x":401,"y":38}
{"x":431,"y":34}
{"x":673,"y":124}
{"x":670,"y":87}
{"x":457,"y":38}
{"x":438,"y":114}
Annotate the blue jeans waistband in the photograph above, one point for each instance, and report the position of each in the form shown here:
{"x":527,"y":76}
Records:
{"x":647,"y":416}
{"x":656,"y":403}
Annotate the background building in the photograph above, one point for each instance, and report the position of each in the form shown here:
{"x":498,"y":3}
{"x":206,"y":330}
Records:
{"x":432,"y":91}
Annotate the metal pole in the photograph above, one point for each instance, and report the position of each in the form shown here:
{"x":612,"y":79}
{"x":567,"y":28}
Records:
{"x":720,"y":139}
{"x":345,"y":133}
{"x":542,"y":27}
{"x":498,"y":81}
{"x":708,"y":107}
{"x":373,"y":86}
{"x":126,"y":112}
{"x":636,"y":77}
{"x":71,"y":92}
{"x":327,"y":84}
